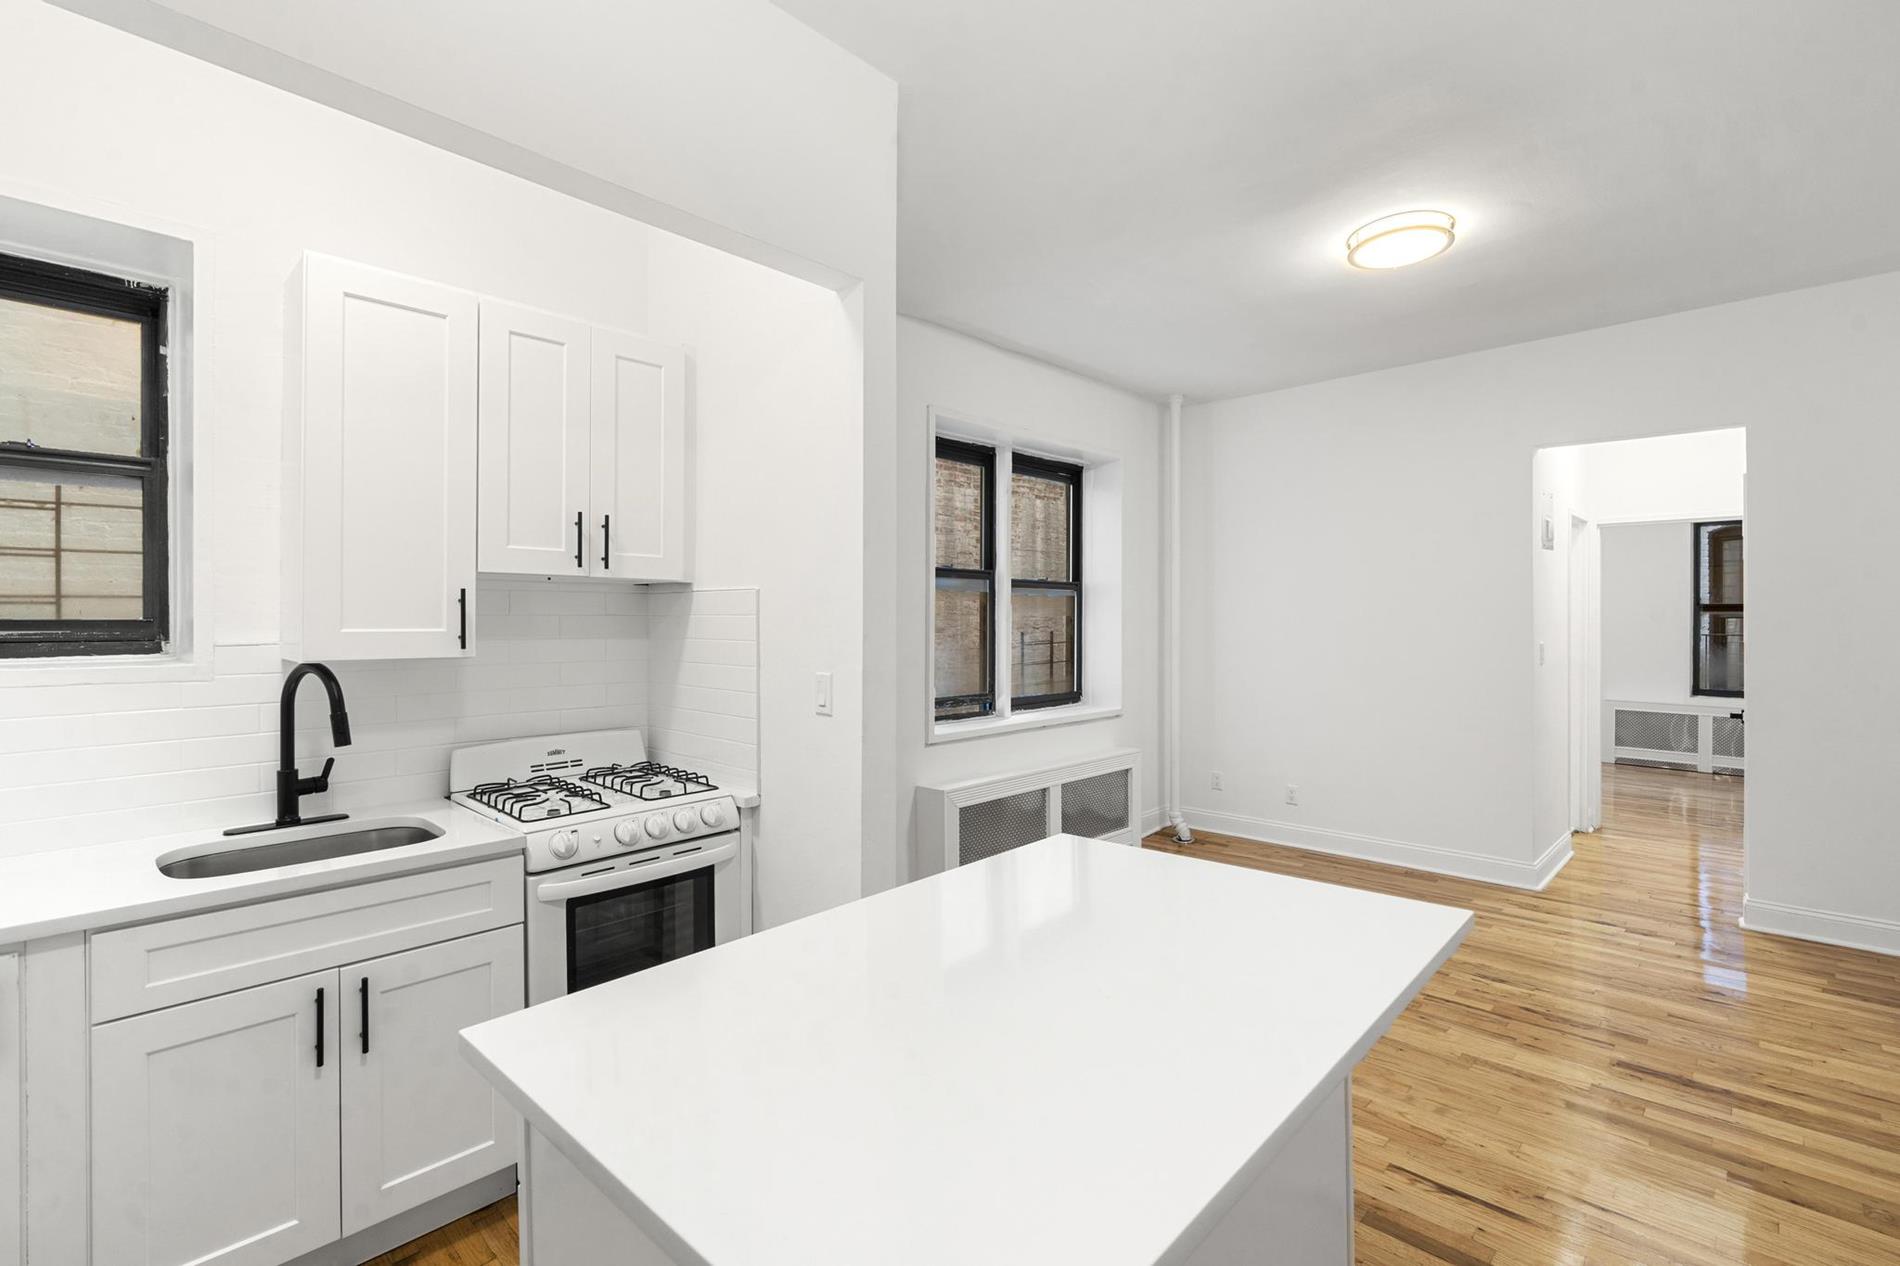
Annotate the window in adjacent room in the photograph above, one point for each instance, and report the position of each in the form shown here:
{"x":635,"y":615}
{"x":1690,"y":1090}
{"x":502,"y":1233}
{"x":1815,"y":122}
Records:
{"x":1039,"y":630}
{"x":1717,"y":641}
{"x":84,"y":566}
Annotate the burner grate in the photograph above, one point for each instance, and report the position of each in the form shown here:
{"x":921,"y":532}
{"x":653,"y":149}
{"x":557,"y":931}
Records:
{"x":648,"y":780}
{"x":543,"y":796}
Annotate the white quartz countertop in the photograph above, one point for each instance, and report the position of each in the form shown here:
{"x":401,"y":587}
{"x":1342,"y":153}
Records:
{"x":100,"y":885}
{"x":1074,"y":1052}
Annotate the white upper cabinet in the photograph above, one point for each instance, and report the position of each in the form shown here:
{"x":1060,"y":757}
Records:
{"x":639,"y":458}
{"x":379,"y":456}
{"x":534,"y":441}
{"x":583,"y":449}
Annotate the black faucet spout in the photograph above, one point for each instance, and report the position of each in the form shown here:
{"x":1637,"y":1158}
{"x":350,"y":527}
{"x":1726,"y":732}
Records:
{"x":291,"y":786}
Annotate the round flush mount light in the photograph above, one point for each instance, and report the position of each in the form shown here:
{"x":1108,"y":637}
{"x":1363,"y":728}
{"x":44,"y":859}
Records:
{"x":1394,"y":241}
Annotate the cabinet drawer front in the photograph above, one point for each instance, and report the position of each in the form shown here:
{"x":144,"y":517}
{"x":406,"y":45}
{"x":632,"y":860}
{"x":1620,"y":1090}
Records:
{"x":162,"y":964}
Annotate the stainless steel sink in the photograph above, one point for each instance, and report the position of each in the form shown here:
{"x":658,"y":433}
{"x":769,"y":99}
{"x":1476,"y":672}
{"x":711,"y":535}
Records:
{"x":305,"y":845}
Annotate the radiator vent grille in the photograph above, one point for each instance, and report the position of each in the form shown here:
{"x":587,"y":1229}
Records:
{"x":1096,"y":806}
{"x":1659,"y":731}
{"x":996,"y":826}
{"x":1728,"y":737}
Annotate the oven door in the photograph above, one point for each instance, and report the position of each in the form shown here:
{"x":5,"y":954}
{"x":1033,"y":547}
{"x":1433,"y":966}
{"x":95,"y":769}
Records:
{"x":594,"y":924}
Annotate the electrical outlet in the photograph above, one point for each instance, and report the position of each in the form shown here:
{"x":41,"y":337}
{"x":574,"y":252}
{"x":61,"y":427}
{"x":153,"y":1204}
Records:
{"x":1292,"y":794}
{"x":1213,"y":780}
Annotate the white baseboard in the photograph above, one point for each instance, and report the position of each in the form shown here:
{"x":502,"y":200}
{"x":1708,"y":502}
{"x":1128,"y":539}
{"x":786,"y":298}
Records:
{"x":1370,"y":848}
{"x":1151,"y":821}
{"x":1851,"y":931}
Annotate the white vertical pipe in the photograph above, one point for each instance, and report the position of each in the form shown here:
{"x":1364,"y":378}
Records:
{"x":1171,"y":667}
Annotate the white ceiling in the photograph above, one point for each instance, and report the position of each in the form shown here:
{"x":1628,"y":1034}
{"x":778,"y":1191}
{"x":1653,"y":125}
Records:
{"x":1156,"y":192}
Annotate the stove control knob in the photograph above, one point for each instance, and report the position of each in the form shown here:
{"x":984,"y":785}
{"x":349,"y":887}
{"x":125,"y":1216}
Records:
{"x":564,"y":844}
{"x":627,"y":832}
{"x":712,"y":815}
{"x":686,"y":820}
{"x":657,"y":826}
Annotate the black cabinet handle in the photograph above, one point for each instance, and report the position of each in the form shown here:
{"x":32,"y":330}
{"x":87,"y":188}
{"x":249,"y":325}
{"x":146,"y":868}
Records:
{"x":362,"y":991}
{"x":462,"y":602}
{"x":580,"y":538}
{"x":606,"y":536}
{"x":319,"y":1028}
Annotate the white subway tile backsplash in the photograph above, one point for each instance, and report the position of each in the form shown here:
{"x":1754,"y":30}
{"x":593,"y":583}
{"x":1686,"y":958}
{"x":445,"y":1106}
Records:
{"x":86,"y":763}
{"x":704,"y":679}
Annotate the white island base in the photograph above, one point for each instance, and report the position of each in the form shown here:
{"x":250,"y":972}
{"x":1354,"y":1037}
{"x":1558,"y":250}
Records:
{"x":1076,"y":1052}
{"x":1298,"y":1211}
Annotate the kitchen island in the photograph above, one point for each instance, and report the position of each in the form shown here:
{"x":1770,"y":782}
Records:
{"x":1075,"y":1052}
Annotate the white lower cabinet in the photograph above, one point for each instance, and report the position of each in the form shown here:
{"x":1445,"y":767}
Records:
{"x":214,"y":1129}
{"x":253,"y":1127}
{"x":418,"y":1120}
{"x":12,"y":1073}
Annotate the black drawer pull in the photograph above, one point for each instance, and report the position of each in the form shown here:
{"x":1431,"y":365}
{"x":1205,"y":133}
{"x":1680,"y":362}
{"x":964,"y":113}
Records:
{"x":363,"y":993}
{"x":580,"y":539}
{"x":319,"y":1028}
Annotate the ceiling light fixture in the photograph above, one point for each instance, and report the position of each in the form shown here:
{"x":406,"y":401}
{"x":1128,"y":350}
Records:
{"x":1394,"y":241}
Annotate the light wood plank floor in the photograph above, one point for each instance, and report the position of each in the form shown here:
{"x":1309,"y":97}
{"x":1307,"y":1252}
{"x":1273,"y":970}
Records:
{"x":1607,"y":1072}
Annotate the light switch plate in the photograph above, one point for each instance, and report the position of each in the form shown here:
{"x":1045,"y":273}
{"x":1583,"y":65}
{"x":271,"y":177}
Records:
{"x":822,"y":694}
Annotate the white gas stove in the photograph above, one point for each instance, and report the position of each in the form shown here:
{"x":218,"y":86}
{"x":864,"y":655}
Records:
{"x":630,"y":863}
{"x":587,"y":795}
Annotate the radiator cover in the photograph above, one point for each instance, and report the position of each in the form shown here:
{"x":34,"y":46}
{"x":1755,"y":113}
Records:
{"x":963,"y":822}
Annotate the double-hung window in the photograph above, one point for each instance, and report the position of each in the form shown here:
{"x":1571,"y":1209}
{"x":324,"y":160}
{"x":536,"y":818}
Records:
{"x":1717,"y":642}
{"x":83,"y":479}
{"x":1032,"y":642}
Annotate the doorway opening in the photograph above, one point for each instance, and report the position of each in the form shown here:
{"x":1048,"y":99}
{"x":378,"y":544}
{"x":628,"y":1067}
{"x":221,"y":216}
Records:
{"x":1639,"y":617}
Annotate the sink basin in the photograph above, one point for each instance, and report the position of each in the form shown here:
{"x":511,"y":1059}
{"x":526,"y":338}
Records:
{"x":304,"y":844}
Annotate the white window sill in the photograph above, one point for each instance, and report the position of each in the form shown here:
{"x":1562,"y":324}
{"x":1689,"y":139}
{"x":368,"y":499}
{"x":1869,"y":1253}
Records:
{"x":92,"y":670}
{"x":1038,"y":719}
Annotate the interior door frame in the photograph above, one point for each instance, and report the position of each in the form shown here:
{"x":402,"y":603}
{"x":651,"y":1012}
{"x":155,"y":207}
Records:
{"x":1584,"y":630}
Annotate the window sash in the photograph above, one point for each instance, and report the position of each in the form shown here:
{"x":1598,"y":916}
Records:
{"x":1059,"y":472}
{"x":983,"y":703}
{"x":75,"y":289}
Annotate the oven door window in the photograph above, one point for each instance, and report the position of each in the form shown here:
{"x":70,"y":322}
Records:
{"x":625,"y":930}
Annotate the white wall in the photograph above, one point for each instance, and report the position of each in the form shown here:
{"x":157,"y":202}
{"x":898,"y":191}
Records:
{"x":253,"y":176}
{"x":1356,"y":567}
{"x":775,"y":406}
{"x":947,"y":371}
{"x":1694,"y":476}
{"x":1646,"y":612}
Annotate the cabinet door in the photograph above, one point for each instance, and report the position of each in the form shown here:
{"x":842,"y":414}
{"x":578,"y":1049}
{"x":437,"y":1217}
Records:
{"x":12,"y":1060}
{"x":214,"y":1129}
{"x":418,"y":1120}
{"x":639,"y":458}
{"x":534,"y":437}
{"x":387,"y":453}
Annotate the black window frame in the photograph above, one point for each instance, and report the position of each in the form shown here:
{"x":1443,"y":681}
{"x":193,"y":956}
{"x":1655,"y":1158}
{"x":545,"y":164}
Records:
{"x":971,"y":706}
{"x":1699,"y":536}
{"x":75,"y":289}
{"x":1071,"y":474}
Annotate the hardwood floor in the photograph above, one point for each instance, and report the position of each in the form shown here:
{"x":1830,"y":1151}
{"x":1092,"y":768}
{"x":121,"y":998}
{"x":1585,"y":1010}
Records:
{"x":1607,"y":1072}
{"x":486,"y":1237}
{"x":1611,"y":1071}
